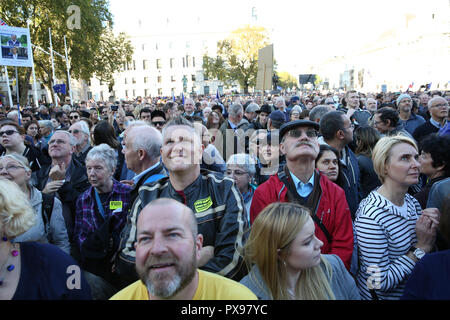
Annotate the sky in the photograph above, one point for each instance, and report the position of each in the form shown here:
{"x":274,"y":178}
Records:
{"x":302,"y":32}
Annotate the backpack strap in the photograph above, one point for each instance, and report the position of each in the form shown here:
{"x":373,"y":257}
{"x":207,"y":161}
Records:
{"x":283,"y":178}
{"x":47,"y":208}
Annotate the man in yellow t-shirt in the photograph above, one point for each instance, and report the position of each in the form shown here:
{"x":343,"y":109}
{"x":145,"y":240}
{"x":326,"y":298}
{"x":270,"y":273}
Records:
{"x":167,"y":254}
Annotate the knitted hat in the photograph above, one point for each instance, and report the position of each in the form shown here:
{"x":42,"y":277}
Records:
{"x":403,"y":96}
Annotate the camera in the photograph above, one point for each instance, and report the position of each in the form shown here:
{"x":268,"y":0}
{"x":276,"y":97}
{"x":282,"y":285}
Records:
{"x":114,"y":108}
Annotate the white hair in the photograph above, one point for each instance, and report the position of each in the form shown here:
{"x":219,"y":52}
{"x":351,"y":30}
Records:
{"x":104,"y":153}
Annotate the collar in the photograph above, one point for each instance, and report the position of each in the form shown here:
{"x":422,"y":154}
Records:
{"x":297,"y":181}
{"x":435,"y":123}
{"x":232,"y":125}
{"x":137,"y":177}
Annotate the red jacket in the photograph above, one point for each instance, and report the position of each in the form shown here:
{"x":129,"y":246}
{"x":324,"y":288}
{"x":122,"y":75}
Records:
{"x":332,"y":209}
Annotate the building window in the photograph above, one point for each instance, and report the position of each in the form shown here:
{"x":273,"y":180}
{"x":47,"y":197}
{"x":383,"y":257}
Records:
{"x":89,"y":83}
{"x":193,"y":61}
{"x":126,"y":93}
{"x":159,"y":79}
{"x":172,"y":62}
{"x":172,"y":91}
{"x":172,"y":78}
{"x":143,"y":46}
{"x":89,"y":94}
{"x":134,"y":64}
{"x":134,"y":93}
{"x":188,"y":44}
{"x":145,"y":79}
{"x":156,"y":45}
{"x":193,"y":77}
{"x":126,"y":81}
{"x":145,"y":64}
{"x":205,"y":77}
{"x":158,"y":64}
{"x":159,"y":91}
{"x":206,"y":90}
{"x":133,"y":80}
{"x":184,"y":63}
{"x":146,"y":92}
{"x":187,"y":61}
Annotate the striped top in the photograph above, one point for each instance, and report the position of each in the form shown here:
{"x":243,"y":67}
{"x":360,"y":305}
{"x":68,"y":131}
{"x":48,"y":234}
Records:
{"x":384,"y":234}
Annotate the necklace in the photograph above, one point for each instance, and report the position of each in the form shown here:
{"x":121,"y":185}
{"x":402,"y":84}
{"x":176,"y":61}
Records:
{"x":12,"y":252}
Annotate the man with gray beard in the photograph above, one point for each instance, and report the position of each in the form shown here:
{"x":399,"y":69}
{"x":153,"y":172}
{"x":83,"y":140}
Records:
{"x":80,"y":131}
{"x":167,"y":252}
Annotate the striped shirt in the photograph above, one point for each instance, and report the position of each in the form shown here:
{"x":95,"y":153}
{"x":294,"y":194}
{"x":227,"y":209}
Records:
{"x":384,"y":234}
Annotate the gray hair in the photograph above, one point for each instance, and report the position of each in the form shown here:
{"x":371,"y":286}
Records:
{"x":84,"y":127}
{"x":42,"y":107}
{"x":12,"y":114}
{"x":244,"y":161}
{"x":46,"y":123}
{"x":20,"y":159}
{"x":136,"y":123}
{"x":317,"y":112}
{"x":296,"y":108}
{"x":72,"y":140}
{"x":148,"y":139}
{"x":104,"y":153}
{"x":235,"y":109}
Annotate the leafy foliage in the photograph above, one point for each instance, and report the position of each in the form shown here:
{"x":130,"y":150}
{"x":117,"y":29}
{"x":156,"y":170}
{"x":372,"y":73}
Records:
{"x":237,"y":57}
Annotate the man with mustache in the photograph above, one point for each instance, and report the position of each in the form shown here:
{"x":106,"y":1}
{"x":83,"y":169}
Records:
{"x":168,"y":249}
{"x":298,"y":181}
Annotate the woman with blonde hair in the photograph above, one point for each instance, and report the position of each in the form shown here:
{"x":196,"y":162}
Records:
{"x":284,"y":259}
{"x":32,"y":270}
{"x":392,"y":231}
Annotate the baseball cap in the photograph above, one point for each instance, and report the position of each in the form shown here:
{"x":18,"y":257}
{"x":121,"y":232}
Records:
{"x":277,"y":116}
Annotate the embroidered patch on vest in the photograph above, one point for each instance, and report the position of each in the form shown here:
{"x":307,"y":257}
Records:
{"x":202,"y":204}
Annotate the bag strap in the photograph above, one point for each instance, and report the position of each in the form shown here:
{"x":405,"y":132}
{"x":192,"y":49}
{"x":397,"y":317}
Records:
{"x":154,"y":178}
{"x":47,"y":208}
{"x":283,"y":178}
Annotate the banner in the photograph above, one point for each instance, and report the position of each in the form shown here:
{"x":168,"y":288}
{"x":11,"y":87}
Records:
{"x":265,"y":68}
{"x":15,"y":47}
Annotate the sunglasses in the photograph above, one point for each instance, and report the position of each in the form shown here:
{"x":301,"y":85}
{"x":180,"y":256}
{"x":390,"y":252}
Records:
{"x":8,"y":132}
{"x":75,"y":131}
{"x":297,"y":133}
{"x":158,"y":123}
{"x":73,"y":117}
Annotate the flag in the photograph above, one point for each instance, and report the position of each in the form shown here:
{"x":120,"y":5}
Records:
{"x":182,"y":98}
{"x":2,"y":23}
{"x":217,"y":94}
{"x":428,"y":86}
{"x":410,"y":86}
{"x":173,"y":96}
{"x":19,"y":116}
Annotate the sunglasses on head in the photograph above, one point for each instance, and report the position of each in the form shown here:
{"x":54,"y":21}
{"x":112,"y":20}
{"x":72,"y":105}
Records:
{"x":8,"y":132}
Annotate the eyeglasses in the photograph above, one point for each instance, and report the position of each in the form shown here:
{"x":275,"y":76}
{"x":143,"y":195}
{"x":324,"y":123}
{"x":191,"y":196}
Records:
{"x":350,"y":126}
{"x":73,"y":117}
{"x":158,"y":123}
{"x":235,"y":172}
{"x":75,"y":131}
{"x":8,"y":132}
{"x":297,"y":133}
{"x":439,"y":105}
{"x":11,"y":168}
{"x":57,"y":141}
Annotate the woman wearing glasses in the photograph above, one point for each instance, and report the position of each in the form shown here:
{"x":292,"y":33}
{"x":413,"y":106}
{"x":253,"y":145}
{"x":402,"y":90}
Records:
{"x":241,"y":168}
{"x":50,"y":225}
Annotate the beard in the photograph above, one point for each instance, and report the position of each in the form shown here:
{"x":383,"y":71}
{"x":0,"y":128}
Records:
{"x":166,"y":284}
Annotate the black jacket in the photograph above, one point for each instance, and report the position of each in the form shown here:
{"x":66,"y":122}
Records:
{"x":69,"y":191}
{"x":220,"y":212}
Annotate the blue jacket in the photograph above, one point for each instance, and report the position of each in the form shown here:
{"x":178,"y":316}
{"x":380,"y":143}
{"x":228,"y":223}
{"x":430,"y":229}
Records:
{"x":351,"y":181}
{"x":412,"y":123}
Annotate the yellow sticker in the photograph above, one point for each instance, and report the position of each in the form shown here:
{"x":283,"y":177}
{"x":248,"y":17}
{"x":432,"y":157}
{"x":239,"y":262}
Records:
{"x":202,"y":204}
{"x":113,"y":205}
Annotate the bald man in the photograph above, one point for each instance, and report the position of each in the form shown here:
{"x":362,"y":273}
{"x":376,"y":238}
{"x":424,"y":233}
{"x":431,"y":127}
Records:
{"x":167,"y":259}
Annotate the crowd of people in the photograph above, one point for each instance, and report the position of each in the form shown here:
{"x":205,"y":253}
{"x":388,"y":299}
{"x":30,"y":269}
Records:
{"x":298,"y":196}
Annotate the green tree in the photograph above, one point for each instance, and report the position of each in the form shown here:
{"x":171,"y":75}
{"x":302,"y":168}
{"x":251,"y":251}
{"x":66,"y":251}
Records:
{"x":237,"y":57}
{"x":89,"y":48}
{"x":286,"y":80}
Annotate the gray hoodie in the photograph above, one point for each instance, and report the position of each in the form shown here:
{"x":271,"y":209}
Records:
{"x":57,"y":232}
{"x":342,"y":283}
